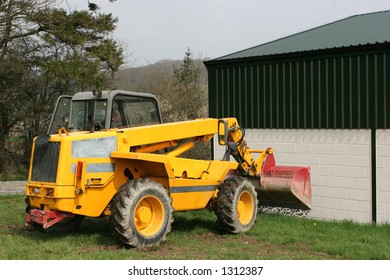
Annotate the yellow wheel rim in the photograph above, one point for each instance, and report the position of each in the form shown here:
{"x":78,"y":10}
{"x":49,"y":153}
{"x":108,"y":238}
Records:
{"x":245,"y":208}
{"x":149,"y":215}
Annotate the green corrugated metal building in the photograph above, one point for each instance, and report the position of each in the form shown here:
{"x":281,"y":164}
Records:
{"x":332,"y":76}
{"x":334,"y":79}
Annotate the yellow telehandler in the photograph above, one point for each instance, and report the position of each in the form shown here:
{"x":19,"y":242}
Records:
{"x":108,"y":154}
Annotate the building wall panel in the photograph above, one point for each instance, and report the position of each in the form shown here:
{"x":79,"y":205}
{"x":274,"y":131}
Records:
{"x":340,"y":162}
{"x":341,"y":92}
{"x":383,"y":175}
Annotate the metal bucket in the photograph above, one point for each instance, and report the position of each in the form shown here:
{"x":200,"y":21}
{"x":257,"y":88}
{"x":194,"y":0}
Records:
{"x":284,"y":186}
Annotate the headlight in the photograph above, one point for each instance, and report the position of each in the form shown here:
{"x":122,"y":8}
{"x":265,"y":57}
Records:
{"x":36,"y":190}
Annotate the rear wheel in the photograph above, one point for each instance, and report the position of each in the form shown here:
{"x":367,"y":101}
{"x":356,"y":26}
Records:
{"x":236,"y":205}
{"x":141,"y":213}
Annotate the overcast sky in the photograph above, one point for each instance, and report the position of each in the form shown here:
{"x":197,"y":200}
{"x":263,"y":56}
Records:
{"x":153,"y":30}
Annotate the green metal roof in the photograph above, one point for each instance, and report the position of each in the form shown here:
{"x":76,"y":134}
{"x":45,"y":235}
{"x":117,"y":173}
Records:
{"x":365,"y":29}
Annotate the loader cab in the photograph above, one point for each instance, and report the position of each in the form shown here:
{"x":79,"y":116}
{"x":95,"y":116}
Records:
{"x":100,"y":110}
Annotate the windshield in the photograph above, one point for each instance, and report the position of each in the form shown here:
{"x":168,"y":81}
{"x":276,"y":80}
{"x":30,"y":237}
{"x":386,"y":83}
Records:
{"x":84,"y":111}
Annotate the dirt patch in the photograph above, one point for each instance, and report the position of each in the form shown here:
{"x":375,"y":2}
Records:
{"x":91,"y":249}
{"x":233,"y":248}
{"x":12,"y":226}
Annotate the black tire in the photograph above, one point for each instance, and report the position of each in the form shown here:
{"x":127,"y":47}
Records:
{"x":141,"y":213}
{"x":236,"y":205}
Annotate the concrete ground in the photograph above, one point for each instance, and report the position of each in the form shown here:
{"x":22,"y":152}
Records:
{"x":11,"y":187}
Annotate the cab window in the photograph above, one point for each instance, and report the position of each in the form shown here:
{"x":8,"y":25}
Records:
{"x":131,"y":111}
{"x":83,"y":111}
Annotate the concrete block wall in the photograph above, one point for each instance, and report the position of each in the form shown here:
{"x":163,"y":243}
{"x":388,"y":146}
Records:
{"x":340,"y":162}
{"x":383,"y":175}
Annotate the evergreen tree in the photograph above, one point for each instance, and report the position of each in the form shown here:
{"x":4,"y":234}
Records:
{"x":46,"y":51}
{"x":190,"y":98}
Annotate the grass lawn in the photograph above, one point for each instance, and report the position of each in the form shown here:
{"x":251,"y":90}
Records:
{"x":195,"y":236}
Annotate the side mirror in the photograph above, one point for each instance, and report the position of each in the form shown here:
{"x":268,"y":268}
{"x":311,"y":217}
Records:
{"x":223,"y":132}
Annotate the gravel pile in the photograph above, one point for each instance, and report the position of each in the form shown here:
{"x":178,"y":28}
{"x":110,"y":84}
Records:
{"x":284,"y":211}
{"x":11,"y":187}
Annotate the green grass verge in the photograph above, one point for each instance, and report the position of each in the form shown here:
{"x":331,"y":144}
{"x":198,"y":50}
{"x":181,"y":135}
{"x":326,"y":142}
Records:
{"x":195,"y":236}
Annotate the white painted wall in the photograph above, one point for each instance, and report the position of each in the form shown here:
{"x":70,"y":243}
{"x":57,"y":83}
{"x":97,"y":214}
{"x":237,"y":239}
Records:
{"x":340,"y":162}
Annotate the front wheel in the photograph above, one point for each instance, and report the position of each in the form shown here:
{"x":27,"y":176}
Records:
{"x":236,"y":205}
{"x":141,"y":213}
